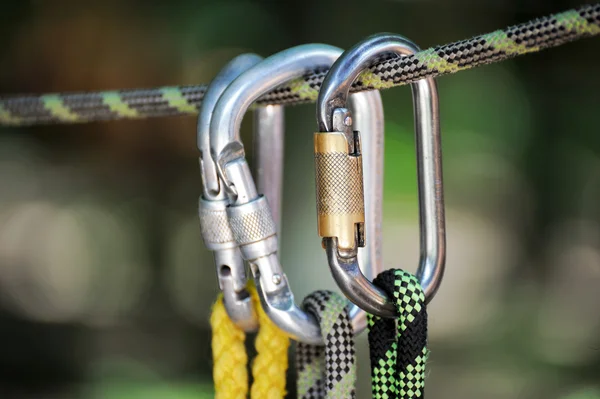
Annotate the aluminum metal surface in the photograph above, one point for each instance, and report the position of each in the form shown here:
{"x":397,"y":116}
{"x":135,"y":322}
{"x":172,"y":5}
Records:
{"x":334,"y":94}
{"x":268,"y":154}
{"x":208,"y":170}
{"x":228,"y":153}
{"x":231,"y":272}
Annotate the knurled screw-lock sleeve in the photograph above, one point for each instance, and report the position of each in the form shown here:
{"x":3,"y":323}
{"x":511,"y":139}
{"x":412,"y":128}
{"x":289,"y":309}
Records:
{"x":214,"y":226}
{"x":253,"y":227}
{"x":339,"y":187}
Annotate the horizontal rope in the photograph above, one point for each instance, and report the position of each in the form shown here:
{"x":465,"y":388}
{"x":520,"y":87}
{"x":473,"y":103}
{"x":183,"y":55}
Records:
{"x":493,"y":47}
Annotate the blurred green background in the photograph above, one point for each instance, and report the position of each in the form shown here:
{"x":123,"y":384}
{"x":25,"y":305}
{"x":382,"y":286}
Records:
{"x":106,"y":288}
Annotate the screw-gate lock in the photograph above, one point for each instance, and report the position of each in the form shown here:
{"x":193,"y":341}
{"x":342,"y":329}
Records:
{"x":217,"y":233}
{"x":339,"y":184}
{"x":248,"y":213}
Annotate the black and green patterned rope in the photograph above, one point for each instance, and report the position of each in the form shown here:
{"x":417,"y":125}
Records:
{"x":398,"y":347}
{"x":328,"y":372}
{"x":497,"y":46}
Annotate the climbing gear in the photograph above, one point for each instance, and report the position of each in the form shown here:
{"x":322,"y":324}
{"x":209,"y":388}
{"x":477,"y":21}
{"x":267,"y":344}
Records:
{"x":230,"y":360}
{"x":338,"y":159}
{"x":268,"y":155}
{"x":229,"y":354}
{"x":248,"y":212}
{"x":535,"y":35}
{"x":398,"y":347}
{"x":236,"y":309}
{"x":344,"y":234}
{"x":327,"y":371}
{"x":271,"y":363}
{"x":215,"y":229}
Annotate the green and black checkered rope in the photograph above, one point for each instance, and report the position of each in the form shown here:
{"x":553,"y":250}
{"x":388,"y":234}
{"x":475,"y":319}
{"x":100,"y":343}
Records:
{"x":328,"y":371}
{"x":497,"y":46}
{"x":398,"y":347}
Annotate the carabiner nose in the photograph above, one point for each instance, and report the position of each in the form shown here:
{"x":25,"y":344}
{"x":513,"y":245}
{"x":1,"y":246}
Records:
{"x":248,"y":212}
{"x":216,"y":233}
{"x":208,"y":170}
{"x":332,"y":98}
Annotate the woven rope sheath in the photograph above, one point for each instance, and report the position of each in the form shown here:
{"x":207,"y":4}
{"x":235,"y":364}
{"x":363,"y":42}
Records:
{"x":330,"y":371}
{"x":230,"y":358}
{"x":528,"y":37}
{"x":398,"y":348}
{"x":270,"y":365}
{"x":229,"y":355}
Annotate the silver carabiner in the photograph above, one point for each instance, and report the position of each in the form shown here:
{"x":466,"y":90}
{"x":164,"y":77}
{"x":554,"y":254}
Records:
{"x":216,"y":233}
{"x":248,"y":213}
{"x":341,"y":248}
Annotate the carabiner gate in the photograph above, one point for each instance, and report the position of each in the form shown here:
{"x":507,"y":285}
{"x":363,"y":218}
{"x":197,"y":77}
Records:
{"x":337,"y":154}
{"x":248,"y":212}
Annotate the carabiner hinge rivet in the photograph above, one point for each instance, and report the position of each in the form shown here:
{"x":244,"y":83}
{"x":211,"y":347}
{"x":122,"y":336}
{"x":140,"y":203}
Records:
{"x":276,"y":279}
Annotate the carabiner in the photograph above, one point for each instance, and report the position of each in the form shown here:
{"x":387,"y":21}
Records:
{"x":216,"y":233}
{"x":342,"y":240}
{"x":248,"y":212}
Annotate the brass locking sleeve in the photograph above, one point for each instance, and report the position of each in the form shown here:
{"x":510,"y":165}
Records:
{"x":339,"y":187}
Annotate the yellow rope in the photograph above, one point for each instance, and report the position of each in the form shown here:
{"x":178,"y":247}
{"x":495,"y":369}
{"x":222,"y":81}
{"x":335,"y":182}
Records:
{"x":229,"y":355}
{"x":230,"y":359}
{"x":271,"y":362}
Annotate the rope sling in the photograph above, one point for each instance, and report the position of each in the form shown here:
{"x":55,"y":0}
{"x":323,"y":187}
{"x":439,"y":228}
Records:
{"x":230,"y":359}
{"x":330,"y":371}
{"x":398,"y":347}
{"x":323,"y":372}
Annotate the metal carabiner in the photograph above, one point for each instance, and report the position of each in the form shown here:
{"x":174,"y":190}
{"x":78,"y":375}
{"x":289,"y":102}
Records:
{"x":248,"y":213}
{"x":341,"y":241}
{"x":216,"y":233}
